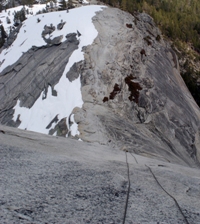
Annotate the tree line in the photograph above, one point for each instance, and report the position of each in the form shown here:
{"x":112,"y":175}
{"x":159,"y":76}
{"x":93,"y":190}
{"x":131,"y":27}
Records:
{"x":178,"y":19}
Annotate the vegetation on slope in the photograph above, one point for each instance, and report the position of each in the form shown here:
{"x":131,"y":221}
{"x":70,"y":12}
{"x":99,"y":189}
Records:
{"x":179,"y":21}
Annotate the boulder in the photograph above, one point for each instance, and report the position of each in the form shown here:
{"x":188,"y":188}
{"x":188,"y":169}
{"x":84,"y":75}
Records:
{"x":48,"y":30}
{"x":54,"y":41}
{"x":60,"y":25}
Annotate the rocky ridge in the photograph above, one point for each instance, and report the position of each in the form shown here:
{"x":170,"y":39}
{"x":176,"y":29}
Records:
{"x":134,"y":97}
{"x":138,"y":161}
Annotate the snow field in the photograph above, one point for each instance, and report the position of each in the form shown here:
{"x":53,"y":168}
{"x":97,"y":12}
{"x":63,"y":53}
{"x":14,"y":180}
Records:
{"x":68,"y":93}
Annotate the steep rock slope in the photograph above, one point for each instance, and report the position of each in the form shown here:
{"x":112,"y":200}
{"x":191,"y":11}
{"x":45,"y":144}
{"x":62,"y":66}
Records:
{"x":47,"y":179}
{"x":41,"y":65}
{"x":134,"y":98}
{"x":35,"y":68}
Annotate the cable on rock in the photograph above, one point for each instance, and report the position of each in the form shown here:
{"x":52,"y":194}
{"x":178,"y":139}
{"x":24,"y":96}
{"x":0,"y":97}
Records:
{"x":134,"y":157}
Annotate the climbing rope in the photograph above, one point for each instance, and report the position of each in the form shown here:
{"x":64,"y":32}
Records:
{"x":134,"y":157}
{"x":129,"y":185}
{"x":186,"y":221}
{"x":128,"y":191}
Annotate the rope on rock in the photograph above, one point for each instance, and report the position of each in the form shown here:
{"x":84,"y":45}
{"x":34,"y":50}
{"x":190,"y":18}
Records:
{"x":178,"y":206}
{"x":134,"y":157}
{"x":128,"y":191}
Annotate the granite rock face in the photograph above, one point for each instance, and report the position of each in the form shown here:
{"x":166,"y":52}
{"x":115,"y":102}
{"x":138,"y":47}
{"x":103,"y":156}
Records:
{"x":47,"y":179}
{"x":134,"y":97}
{"x":139,"y":126}
{"x":31,"y":75}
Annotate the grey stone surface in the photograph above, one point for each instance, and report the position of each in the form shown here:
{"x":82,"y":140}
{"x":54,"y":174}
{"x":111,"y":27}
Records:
{"x":134,"y":96}
{"x":31,"y":75}
{"x":133,"y":93}
{"x":60,"y":128}
{"x":74,"y":72}
{"x":46,"y":179}
{"x":70,"y":36}
{"x":135,"y":104}
{"x":60,"y":25}
{"x":54,"y":41}
{"x":48,"y":30}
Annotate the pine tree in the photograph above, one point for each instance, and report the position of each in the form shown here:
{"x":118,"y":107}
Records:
{"x":69,"y":4}
{"x":124,"y":5}
{"x":8,"y":20}
{"x":19,"y":16}
{"x":3,"y":35}
{"x":62,"y":5}
{"x":27,"y":2}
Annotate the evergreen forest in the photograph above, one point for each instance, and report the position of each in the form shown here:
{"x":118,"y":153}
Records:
{"x":179,"y":21}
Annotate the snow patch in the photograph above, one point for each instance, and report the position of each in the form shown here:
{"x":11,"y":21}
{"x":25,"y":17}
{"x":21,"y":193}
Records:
{"x":30,"y":34}
{"x":69,"y":95}
{"x":74,"y":126}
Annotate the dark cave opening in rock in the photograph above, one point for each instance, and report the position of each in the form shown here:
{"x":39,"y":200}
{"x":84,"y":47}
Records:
{"x":134,"y":88}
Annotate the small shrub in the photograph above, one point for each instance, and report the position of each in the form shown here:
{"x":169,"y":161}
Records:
{"x":158,"y":38}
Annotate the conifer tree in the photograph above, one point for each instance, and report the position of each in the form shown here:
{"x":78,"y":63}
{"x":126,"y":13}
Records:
{"x":69,"y":4}
{"x":19,"y":16}
{"x":3,"y":35}
{"x":124,"y":5}
{"x":8,"y":20}
{"x":62,"y":5}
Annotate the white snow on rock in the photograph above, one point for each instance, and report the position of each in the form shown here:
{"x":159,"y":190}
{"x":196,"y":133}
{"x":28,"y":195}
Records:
{"x":30,"y":34}
{"x":68,"y":93}
{"x":10,"y":14}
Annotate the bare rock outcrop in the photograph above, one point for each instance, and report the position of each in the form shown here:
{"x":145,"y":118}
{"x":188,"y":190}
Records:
{"x":31,"y":75}
{"x":47,"y":179}
{"x":136,"y":106}
{"x":134,"y":96}
{"x":133,"y":93}
{"x":60,"y":25}
{"x":48,"y":30}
